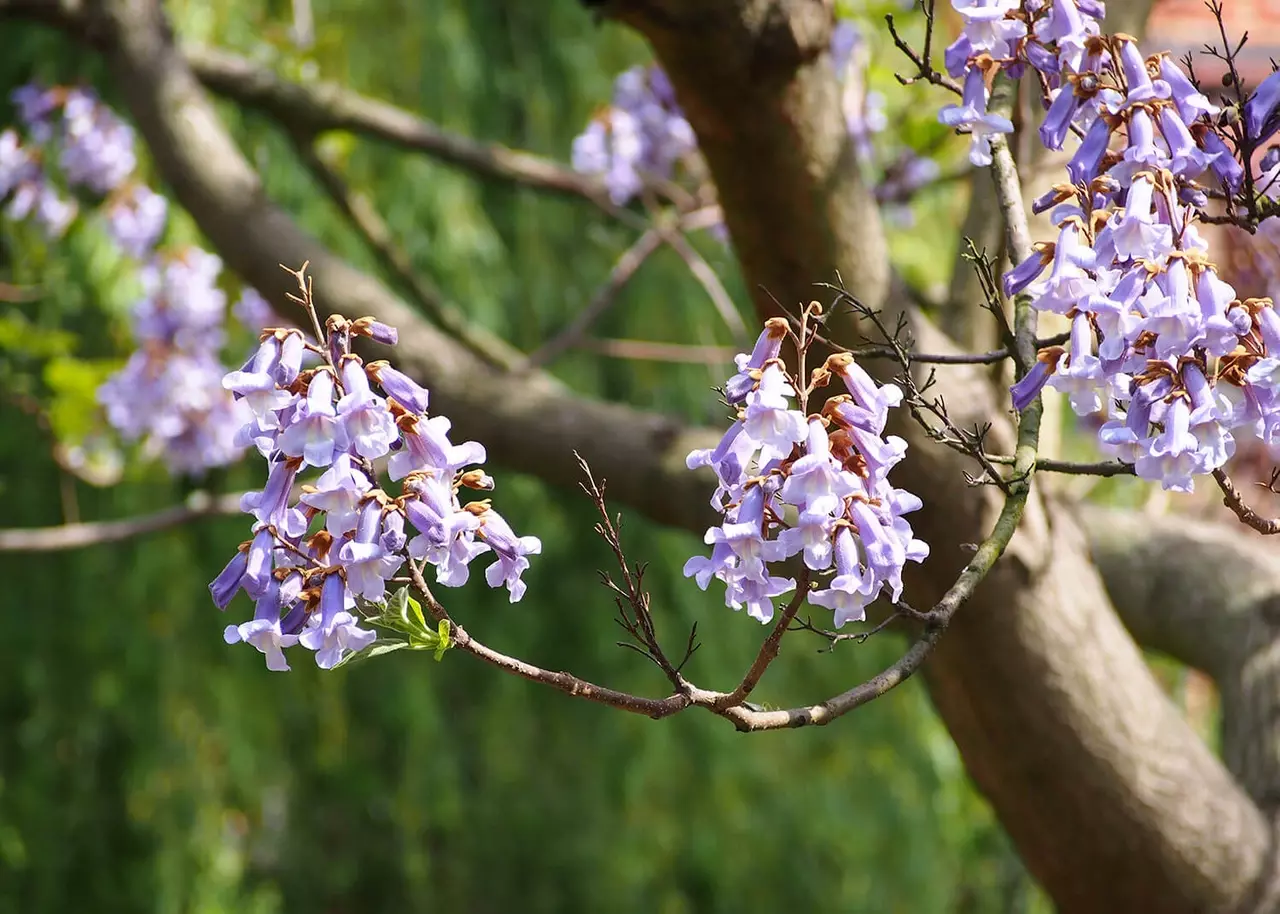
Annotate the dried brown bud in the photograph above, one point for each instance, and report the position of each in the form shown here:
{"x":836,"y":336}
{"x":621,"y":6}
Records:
{"x":477,"y":479}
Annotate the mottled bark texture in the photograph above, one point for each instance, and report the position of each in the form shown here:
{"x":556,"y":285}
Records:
{"x":1113,"y":801}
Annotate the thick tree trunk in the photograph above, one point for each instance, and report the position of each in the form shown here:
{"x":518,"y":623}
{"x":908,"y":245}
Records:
{"x":1114,"y":803}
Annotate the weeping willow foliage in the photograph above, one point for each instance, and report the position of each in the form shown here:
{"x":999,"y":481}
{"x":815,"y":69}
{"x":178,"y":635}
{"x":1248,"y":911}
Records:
{"x":145,"y":766}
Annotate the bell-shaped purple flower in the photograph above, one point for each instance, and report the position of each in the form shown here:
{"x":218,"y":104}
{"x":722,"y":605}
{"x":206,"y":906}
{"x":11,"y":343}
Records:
{"x":398,"y":385}
{"x":972,"y":115}
{"x":314,"y":434}
{"x":851,"y":589}
{"x":1189,"y":101}
{"x":1261,"y":119}
{"x":510,"y":550}
{"x":338,"y":493}
{"x":368,"y":424}
{"x":227,"y":584}
{"x":768,"y":346}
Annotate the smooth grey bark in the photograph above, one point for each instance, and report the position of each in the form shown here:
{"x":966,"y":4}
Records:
{"x":1208,"y":595}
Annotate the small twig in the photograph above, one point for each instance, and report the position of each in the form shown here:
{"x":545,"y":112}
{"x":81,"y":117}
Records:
{"x":305,"y":301}
{"x":1070,"y":467}
{"x":707,"y":277}
{"x":1232,"y":498}
{"x":379,"y":238}
{"x":91,"y":533}
{"x":992,"y":298}
{"x":623,"y":270}
{"x":1244,"y":143}
{"x":924,"y":66}
{"x":769,"y":649}
{"x":630,"y":595}
{"x":968,"y":443}
{"x":834,"y":638}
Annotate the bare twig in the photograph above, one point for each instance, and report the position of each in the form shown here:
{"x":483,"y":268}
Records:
{"x":707,"y":277}
{"x":364,"y":218}
{"x":1070,"y":467}
{"x":924,"y":67}
{"x":634,"y":610}
{"x":1233,"y":499}
{"x":646,"y":350}
{"x":76,"y":536}
{"x":950,"y":358}
{"x":833,"y":638}
{"x":623,"y":270}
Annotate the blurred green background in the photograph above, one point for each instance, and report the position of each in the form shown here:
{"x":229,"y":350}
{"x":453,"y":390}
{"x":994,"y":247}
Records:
{"x":145,"y":766}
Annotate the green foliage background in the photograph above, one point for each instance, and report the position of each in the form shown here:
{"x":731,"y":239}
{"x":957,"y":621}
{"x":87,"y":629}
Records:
{"x":145,"y":766}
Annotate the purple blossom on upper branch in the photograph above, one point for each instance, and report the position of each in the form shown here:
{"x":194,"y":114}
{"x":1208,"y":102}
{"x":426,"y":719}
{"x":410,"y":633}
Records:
{"x":815,"y":485}
{"x":136,"y":219}
{"x":643,"y":134}
{"x":97,"y":146}
{"x":340,"y":417}
{"x":971,"y":114}
{"x":1158,"y":339}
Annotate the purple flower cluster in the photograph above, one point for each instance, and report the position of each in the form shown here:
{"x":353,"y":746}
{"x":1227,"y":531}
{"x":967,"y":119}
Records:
{"x":643,"y":134}
{"x":1156,"y":335}
{"x":815,"y":485}
{"x":169,"y":394}
{"x":92,"y":147}
{"x":319,"y":548}
{"x":863,"y":110}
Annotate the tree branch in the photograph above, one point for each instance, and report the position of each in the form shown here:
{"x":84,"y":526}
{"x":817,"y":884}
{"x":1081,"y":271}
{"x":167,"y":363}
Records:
{"x":1112,"y":800}
{"x":321,"y":106}
{"x":624,"y":268}
{"x":378,"y":237}
{"x":709,"y":281}
{"x":1208,"y":596}
{"x":76,"y":536}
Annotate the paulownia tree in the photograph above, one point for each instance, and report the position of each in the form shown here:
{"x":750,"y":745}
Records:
{"x":857,"y":431}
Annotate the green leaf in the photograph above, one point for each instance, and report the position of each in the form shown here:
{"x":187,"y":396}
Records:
{"x":377,"y":649}
{"x":443,"y":641}
{"x":399,"y":600}
{"x":417,"y":612}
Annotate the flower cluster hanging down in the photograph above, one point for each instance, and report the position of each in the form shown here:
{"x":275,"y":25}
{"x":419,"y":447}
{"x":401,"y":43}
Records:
{"x":318,"y":547}
{"x":169,"y":394}
{"x":1157,"y":337}
{"x":793,"y":483}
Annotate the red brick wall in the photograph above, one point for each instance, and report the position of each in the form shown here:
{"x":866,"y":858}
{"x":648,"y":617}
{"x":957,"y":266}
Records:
{"x":1186,"y":25}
